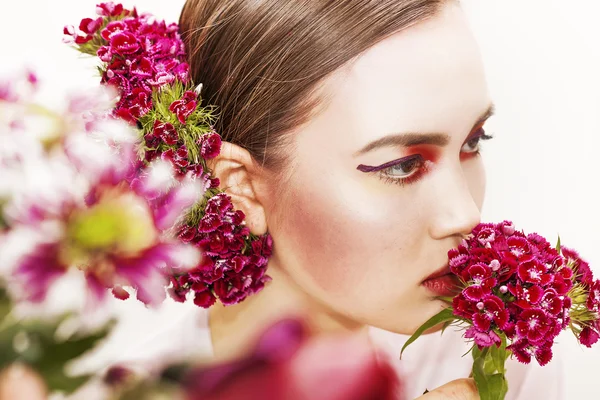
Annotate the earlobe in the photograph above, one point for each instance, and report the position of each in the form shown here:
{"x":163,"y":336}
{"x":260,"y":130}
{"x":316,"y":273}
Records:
{"x":237,"y":172}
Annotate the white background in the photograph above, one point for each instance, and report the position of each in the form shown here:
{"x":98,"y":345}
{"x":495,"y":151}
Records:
{"x":543,"y":63}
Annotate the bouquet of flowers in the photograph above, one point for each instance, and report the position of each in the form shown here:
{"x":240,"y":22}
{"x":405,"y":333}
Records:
{"x":516,"y":295}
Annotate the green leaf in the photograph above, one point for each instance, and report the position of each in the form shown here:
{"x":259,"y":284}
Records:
{"x":491,"y":382}
{"x":442,"y":316}
{"x":446,"y":324}
{"x":558,"y":244}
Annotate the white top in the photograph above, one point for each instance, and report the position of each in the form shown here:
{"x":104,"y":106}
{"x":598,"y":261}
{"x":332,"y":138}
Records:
{"x":147,"y":340}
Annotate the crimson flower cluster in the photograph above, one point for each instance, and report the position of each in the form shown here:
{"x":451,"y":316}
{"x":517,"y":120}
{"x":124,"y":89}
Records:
{"x":227,"y":273}
{"x":145,"y":60}
{"x":520,"y":286}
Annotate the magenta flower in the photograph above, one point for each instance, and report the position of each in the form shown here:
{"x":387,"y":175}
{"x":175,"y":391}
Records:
{"x":589,"y":336}
{"x":534,"y":271}
{"x":184,"y":107}
{"x":480,"y":281}
{"x":593,"y":301}
{"x":140,"y":102}
{"x":90,"y":26}
{"x":533,"y":325}
{"x":491,"y":309}
{"x":110,"y":9}
{"x":524,"y":351}
{"x":112,"y":29}
{"x":166,"y":132}
{"x":582,"y":269}
{"x":210,"y":145}
{"x":124,"y":43}
{"x":483,"y":338}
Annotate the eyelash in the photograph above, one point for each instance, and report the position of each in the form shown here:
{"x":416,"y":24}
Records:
{"x":424,"y":165}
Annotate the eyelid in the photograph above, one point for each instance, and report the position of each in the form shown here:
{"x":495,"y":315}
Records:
{"x":367,"y":168}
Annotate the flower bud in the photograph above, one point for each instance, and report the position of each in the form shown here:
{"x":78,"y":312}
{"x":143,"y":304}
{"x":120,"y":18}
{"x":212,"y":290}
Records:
{"x":503,"y":289}
{"x":480,"y":305}
{"x":508,"y":229}
{"x":495,"y":265}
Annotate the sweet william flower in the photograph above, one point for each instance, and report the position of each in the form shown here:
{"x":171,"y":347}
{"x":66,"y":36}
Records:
{"x":534,"y":272}
{"x":524,"y":351}
{"x":589,"y":336}
{"x":90,"y":26}
{"x":483,"y":338}
{"x":110,"y":9}
{"x":593,"y":300}
{"x":580,"y":267}
{"x":124,"y":43}
{"x":184,"y":107}
{"x":210,"y":145}
{"x":481,"y":281}
{"x":166,"y":132}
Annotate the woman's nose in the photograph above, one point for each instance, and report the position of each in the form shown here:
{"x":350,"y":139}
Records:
{"x":456,"y":205}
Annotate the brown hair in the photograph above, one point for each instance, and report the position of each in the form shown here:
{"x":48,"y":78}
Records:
{"x":260,"y":61}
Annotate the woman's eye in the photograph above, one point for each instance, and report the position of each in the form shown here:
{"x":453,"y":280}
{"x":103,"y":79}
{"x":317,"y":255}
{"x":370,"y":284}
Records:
{"x":472,"y":145}
{"x":404,"y":169}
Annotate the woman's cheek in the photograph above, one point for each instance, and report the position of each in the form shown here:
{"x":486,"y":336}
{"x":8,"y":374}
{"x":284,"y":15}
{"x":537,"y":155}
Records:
{"x":334,"y":238}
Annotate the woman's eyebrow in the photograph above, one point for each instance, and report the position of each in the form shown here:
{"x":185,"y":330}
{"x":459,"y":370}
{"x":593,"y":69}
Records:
{"x":415,"y":138}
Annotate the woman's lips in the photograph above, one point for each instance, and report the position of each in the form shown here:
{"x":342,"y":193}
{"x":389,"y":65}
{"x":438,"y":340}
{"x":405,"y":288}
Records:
{"x":445,"y":285}
{"x":442,"y":283}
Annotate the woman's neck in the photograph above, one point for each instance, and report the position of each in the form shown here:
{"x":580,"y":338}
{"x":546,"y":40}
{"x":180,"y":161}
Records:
{"x":234,"y":329}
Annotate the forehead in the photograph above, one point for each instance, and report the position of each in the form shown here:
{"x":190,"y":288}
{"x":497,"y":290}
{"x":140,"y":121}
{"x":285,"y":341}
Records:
{"x":428,"y":77}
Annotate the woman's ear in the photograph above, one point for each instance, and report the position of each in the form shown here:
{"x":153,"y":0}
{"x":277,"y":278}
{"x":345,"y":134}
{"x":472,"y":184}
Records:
{"x":238,"y":173}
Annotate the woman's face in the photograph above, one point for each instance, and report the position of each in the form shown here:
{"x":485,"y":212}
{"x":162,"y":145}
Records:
{"x":388,"y":177}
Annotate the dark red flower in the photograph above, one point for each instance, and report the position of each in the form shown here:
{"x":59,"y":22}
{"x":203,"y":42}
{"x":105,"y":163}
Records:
{"x":533,"y":271}
{"x":112,"y":29}
{"x":480,"y":281}
{"x":184,"y":107}
{"x":140,"y":102}
{"x":491,"y":309}
{"x":533,"y":325}
{"x":90,"y":26}
{"x":142,"y":68}
{"x":210,"y":145}
{"x":204,"y":298}
{"x":581,"y":268}
{"x":166,"y":132}
{"x":523,"y":350}
{"x":593,"y":300}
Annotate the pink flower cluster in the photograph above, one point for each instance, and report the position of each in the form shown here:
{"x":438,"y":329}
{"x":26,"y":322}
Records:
{"x":140,"y":53}
{"x":518,"y":285}
{"x":227,"y":272}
